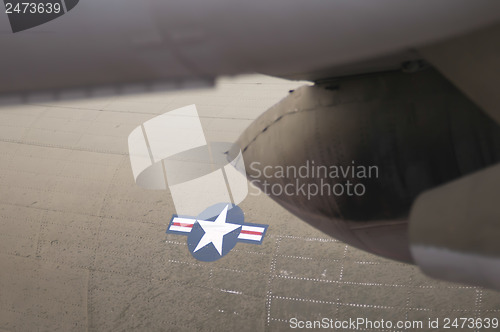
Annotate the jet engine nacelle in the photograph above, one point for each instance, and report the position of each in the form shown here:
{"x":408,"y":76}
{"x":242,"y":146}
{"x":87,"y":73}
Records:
{"x":387,"y":137}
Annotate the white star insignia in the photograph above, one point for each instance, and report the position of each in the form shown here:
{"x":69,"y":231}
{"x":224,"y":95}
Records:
{"x":215,"y":231}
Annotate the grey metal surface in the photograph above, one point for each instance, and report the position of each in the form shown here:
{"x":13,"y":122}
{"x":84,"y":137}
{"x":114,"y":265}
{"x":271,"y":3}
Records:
{"x":472,"y":63}
{"x":121,"y":45}
{"x":82,"y":248}
{"x":417,"y":130}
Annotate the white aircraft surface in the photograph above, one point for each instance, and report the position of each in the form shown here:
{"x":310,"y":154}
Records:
{"x":90,"y":91}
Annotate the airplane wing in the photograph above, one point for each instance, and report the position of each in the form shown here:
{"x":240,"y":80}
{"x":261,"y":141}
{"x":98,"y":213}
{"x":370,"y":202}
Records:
{"x":122,"y":46}
{"x":408,"y":87}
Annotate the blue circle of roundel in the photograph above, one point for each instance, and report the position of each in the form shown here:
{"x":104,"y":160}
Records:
{"x":209,"y":253}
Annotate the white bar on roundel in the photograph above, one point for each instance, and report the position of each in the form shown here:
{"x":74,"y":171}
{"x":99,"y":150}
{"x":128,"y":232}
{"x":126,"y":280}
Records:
{"x":183,"y":225}
{"x":250,"y":237}
{"x":180,"y":229}
{"x":253,"y":229}
{"x":187,"y":221}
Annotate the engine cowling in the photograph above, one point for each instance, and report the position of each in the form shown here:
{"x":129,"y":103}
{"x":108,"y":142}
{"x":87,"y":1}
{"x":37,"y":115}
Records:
{"x":363,"y":149}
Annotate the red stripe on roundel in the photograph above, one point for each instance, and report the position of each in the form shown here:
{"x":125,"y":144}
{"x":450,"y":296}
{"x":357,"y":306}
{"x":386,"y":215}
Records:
{"x":250,"y":232}
{"x":182,"y":225}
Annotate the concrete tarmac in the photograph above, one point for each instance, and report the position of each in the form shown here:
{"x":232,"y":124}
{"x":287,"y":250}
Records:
{"x":83,"y":248}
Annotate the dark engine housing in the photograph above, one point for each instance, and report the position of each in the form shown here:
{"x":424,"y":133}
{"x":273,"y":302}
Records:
{"x":416,"y":131}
